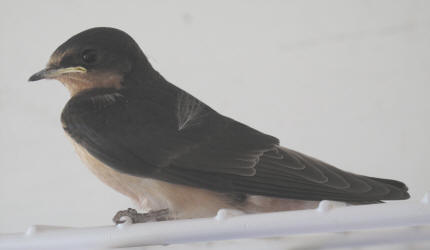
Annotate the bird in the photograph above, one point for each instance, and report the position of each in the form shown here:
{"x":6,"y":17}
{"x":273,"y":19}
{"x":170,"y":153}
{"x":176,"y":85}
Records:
{"x":173,"y":155}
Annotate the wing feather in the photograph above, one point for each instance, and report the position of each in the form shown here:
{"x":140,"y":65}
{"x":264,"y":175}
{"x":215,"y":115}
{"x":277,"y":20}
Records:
{"x":183,"y":141}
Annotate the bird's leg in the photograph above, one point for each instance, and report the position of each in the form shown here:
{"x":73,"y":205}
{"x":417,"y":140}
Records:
{"x":157,"y":215}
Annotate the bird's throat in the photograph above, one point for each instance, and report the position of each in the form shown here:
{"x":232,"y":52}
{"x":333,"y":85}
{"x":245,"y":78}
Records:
{"x":77,"y":82}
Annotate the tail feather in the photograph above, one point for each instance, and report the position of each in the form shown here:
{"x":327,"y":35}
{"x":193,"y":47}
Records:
{"x":399,"y":190}
{"x":398,"y":184}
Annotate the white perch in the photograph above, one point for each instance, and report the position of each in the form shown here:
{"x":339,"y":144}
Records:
{"x":329,"y":217}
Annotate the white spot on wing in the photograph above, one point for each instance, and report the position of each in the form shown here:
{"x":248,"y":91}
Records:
{"x":189,"y":108}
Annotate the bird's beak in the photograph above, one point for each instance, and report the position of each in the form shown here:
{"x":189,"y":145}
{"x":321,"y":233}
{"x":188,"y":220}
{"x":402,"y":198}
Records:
{"x":51,"y":73}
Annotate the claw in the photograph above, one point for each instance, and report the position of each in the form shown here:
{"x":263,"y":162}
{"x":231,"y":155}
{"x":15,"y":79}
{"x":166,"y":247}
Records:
{"x":158,"y":215}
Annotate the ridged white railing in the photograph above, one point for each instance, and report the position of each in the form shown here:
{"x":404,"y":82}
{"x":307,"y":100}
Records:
{"x":329,"y":217}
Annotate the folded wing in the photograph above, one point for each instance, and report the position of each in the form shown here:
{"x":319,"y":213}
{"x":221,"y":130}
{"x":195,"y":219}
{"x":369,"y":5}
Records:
{"x":185,"y":142}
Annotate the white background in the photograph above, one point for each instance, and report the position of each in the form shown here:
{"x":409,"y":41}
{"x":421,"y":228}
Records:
{"x":344,"y":81}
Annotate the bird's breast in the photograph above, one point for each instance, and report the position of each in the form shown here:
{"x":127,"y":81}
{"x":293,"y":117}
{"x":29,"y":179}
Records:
{"x":150,"y":194}
{"x":183,"y":202}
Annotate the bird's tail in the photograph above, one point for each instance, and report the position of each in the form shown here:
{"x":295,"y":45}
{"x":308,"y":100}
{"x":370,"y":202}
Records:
{"x":398,"y":184}
{"x":398,"y":191}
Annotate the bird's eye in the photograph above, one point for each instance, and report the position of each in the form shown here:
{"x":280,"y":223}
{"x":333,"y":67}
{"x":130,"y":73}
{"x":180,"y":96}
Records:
{"x":89,"y":56}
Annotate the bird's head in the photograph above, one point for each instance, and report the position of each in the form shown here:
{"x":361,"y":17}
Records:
{"x":94,"y":58}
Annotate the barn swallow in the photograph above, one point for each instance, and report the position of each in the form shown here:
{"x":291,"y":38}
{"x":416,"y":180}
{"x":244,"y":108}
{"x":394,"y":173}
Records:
{"x":168,"y":151}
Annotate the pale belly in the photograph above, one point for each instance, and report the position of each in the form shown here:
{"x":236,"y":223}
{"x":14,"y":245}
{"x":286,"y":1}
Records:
{"x":182,"y":201}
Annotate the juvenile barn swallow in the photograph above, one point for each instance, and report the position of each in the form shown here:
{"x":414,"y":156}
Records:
{"x":168,"y":151}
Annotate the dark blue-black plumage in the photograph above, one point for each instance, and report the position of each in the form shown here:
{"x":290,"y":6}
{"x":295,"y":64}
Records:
{"x":151,"y":128}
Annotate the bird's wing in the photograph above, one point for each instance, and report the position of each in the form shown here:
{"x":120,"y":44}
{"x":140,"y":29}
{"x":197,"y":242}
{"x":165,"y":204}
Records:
{"x":185,"y":142}
{"x":142,"y":134}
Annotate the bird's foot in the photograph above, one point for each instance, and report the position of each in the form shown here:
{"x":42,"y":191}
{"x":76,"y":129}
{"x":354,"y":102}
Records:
{"x":157,"y":215}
